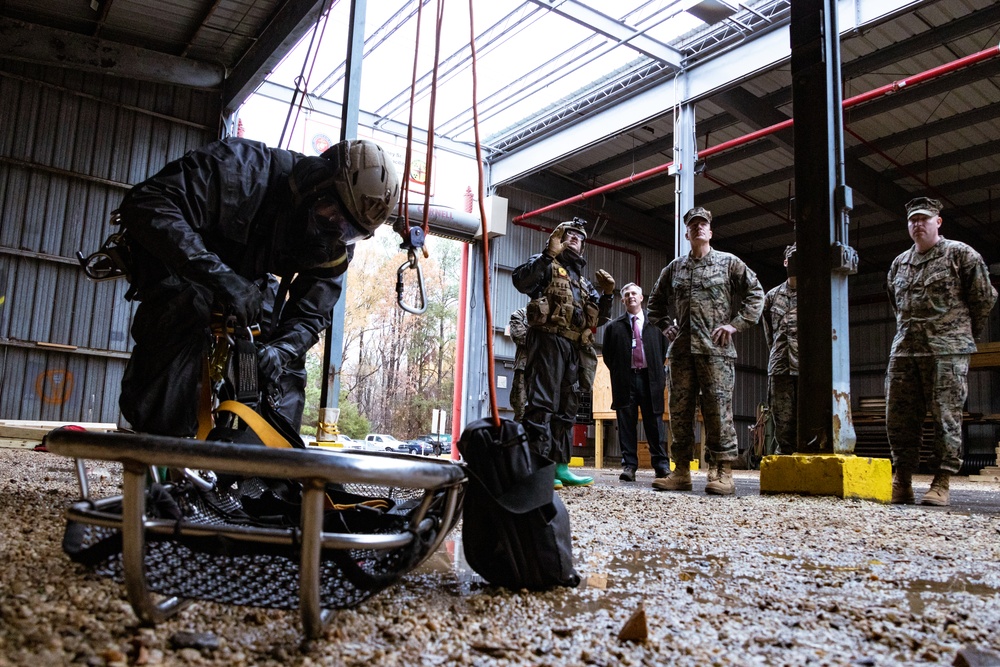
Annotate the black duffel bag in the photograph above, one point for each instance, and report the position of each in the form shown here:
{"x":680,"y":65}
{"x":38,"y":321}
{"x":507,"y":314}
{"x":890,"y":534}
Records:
{"x":515,"y":530}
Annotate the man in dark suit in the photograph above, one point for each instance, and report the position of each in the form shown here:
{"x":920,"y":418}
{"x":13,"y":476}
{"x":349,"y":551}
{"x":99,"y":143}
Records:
{"x":634,"y":351}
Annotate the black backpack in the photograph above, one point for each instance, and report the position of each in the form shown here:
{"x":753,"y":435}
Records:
{"x":515,"y":530}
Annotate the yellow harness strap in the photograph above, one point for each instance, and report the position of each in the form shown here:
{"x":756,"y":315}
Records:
{"x":267,"y":433}
{"x":270,"y":437}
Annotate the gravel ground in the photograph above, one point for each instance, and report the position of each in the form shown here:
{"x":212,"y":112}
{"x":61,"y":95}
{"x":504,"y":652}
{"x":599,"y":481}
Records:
{"x":749,"y":580}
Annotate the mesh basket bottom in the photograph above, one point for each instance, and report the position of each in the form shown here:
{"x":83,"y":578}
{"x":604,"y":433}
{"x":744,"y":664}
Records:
{"x":255,"y":580}
{"x":256,"y":574}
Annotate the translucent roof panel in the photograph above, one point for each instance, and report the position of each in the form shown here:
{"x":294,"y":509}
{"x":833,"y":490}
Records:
{"x":530,"y":59}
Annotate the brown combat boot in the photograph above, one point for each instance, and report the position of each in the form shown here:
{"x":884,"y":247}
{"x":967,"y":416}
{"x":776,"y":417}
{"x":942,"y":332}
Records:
{"x":938,"y":493}
{"x":679,"y":478}
{"x":902,"y":488}
{"x":721,"y":484}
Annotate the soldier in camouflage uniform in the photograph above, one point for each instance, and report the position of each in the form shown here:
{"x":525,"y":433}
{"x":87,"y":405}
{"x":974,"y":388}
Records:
{"x":699,"y":302}
{"x":518,"y":328}
{"x":942,"y":296}
{"x":781,"y":331}
{"x":563,"y":312}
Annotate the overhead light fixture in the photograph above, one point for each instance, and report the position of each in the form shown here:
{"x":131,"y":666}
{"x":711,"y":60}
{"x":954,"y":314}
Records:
{"x":711,"y":11}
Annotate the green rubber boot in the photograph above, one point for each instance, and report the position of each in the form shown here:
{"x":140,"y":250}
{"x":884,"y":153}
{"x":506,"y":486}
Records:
{"x":569,"y":479}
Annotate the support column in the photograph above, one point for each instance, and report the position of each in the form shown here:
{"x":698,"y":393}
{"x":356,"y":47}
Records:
{"x":824,"y":463}
{"x":685,"y":156}
{"x":333,"y":347}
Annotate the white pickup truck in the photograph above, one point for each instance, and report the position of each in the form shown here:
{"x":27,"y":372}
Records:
{"x":382,"y":441}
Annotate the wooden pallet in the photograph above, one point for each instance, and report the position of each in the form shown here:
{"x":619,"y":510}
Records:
{"x":22,"y":434}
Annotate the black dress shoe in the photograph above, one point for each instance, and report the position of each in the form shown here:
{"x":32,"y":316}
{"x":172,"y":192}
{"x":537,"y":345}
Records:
{"x":628,"y":474}
{"x":662,"y":472}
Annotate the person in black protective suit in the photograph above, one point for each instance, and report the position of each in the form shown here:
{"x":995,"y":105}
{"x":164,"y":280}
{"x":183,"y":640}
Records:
{"x":209,"y":232}
{"x":563,"y":312}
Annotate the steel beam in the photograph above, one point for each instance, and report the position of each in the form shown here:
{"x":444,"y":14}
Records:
{"x":333,"y":342}
{"x":616,"y":30}
{"x":857,"y":67}
{"x":758,"y":54}
{"x":822,"y":204}
{"x":293,"y":21}
{"x":61,"y":48}
{"x":330,"y":109}
{"x":685,"y":157}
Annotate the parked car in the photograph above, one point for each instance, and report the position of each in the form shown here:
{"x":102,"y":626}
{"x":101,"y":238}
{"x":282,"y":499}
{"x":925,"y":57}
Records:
{"x":350,"y":443}
{"x":416,"y":446}
{"x":339,"y":442}
{"x":384,"y":442}
{"x":442,"y":440}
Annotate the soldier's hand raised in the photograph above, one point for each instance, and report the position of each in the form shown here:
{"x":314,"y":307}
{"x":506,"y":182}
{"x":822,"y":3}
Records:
{"x":605,"y":282}
{"x":556,"y":243}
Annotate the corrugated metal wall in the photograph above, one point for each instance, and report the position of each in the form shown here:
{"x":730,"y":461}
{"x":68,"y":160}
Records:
{"x":627,"y":262}
{"x":71,"y":143}
{"x":872,"y":327}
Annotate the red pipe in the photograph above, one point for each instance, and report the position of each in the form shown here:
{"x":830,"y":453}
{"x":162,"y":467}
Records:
{"x":893,"y":87}
{"x":456,"y":400}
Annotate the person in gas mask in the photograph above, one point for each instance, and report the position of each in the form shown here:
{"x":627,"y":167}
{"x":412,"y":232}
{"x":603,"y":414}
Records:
{"x":564,"y":310}
{"x":209,"y":232}
{"x":781,"y":332}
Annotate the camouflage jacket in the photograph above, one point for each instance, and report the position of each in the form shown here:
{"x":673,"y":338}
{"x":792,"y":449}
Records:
{"x":563,"y":302}
{"x":518,"y":328}
{"x":703,"y":294}
{"x":942,"y":299}
{"x":781,"y":330}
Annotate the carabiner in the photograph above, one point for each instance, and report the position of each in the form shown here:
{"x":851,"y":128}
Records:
{"x":411,"y":263}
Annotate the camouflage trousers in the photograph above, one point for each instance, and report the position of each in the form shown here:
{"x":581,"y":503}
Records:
{"x":518,"y":395}
{"x":715,"y":378}
{"x":782,"y":398}
{"x":915,"y":386}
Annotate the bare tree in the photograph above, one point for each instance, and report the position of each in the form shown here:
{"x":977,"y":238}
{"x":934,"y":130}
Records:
{"x":398,"y":367}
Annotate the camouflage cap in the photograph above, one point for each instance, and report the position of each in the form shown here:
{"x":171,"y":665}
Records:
{"x":698,"y":212}
{"x":922,"y":206}
{"x":789,"y":251}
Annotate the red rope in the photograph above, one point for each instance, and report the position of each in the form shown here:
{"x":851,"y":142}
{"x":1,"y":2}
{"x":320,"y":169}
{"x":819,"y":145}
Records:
{"x":404,"y":200}
{"x":491,"y":367}
{"x":430,"y":122}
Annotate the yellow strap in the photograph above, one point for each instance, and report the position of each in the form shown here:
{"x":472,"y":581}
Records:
{"x":329,"y":429}
{"x":376,"y":503}
{"x":267,"y":433}
{"x":270,"y":437}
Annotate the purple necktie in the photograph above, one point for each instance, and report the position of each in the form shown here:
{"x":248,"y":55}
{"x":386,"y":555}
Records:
{"x":638,"y":358}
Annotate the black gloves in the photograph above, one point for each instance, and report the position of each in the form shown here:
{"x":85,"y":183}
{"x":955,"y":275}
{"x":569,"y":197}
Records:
{"x":271,"y":361}
{"x":238,"y":296}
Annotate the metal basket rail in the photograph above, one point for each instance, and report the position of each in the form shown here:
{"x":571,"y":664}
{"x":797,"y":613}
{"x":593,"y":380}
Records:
{"x":154,"y":544}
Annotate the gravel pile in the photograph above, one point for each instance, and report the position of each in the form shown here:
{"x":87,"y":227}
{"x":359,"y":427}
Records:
{"x":748,"y":580}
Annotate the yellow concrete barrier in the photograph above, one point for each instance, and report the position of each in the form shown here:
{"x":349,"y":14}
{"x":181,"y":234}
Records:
{"x":843,"y":476}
